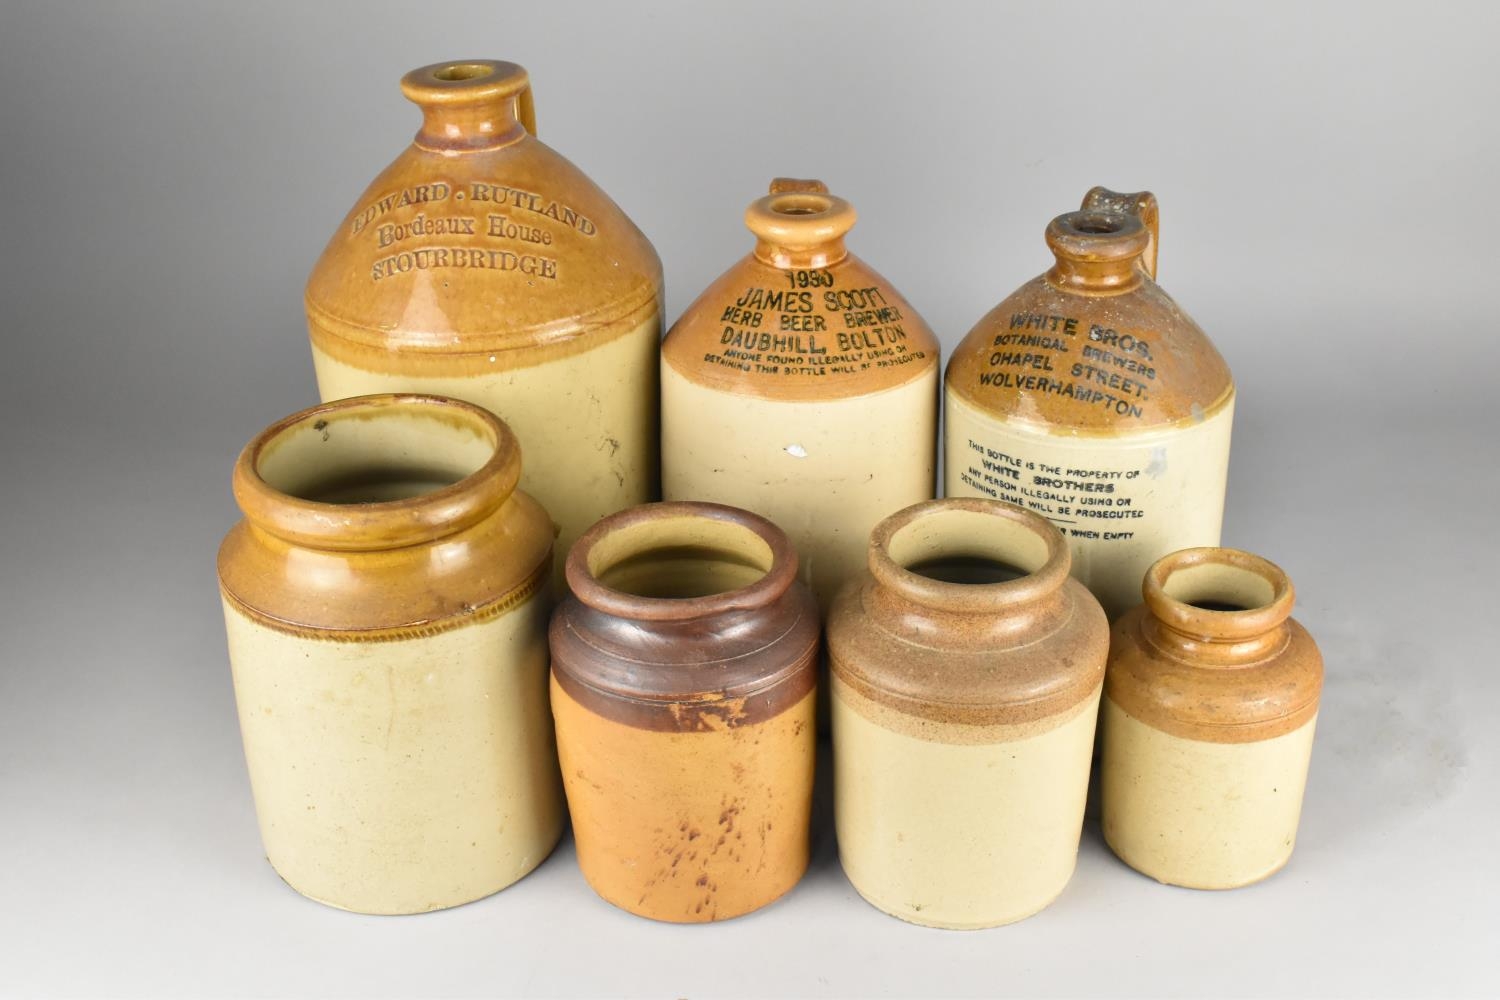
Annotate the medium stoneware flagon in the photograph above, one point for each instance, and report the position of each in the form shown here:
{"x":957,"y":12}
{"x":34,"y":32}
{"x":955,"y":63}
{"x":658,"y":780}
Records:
{"x":967,"y":667}
{"x":1089,"y":396}
{"x":481,"y":264}
{"x":683,"y":677}
{"x":386,"y":600}
{"x":802,"y":386}
{"x":1209,"y":709}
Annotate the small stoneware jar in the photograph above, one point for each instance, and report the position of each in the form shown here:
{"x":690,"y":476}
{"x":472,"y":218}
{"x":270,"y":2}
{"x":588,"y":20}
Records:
{"x":683,"y":672}
{"x":1209,"y":707}
{"x":386,"y":601}
{"x":802,"y":386}
{"x":1089,"y":396}
{"x":967,"y":666}
{"x":484,"y":265}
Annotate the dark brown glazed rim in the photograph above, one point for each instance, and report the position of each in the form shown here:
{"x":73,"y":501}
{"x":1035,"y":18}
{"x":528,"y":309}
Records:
{"x":697,"y":664}
{"x":388,"y":524}
{"x":781,"y":574}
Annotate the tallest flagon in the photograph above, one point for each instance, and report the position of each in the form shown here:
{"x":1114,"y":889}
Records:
{"x":481,"y":264}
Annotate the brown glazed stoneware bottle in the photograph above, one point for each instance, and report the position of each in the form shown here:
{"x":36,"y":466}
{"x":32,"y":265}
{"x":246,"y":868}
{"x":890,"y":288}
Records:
{"x":1089,"y":396}
{"x":967,"y":667}
{"x":683,"y":677}
{"x":481,"y":264}
{"x":386,"y":601}
{"x":1209,"y":708}
{"x":802,"y":386}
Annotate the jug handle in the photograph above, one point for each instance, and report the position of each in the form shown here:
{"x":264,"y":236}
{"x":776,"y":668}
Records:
{"x":526,"y":110}
{"x":794,"y":185}
{"x":1142,"y":205}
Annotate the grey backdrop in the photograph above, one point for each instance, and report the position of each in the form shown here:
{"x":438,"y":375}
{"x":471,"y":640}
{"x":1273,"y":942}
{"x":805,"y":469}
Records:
{"x":169,"y":172}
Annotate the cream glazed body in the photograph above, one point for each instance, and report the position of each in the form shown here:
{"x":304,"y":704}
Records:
{"x":964,"y":705}
{"x":1210,"y":709}
{"x":1090,"y":397}
{"x":386,"y":603}
{"x":801,"y":386}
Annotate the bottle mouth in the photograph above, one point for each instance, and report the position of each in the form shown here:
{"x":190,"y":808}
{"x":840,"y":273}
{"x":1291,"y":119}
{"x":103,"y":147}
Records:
{"x":969,"y":555}
{"x":377,"y":472}
{"x":679,"y":561}
{"x":1218,"y":594}
{"x":1097,"y":236}
{"x":799,"y":221}
{"x":464,"y":81}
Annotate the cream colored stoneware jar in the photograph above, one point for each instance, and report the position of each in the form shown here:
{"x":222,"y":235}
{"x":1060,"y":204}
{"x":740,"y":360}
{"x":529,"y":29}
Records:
{"x":801,"y":386}
{"x":967,"y":668}
{"x":1209,"y":709}
{"x":386,"y":601}
{"x":481,"y":264}
{"x":1090,"y":397}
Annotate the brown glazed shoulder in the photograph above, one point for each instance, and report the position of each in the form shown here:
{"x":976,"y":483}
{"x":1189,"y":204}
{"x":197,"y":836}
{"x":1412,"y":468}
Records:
{"x":718,"y":672}
{"x":552,"y":266}
{"x":800,"y":337}
{"x":473,"y":575}
{"x":1219,"y":703}
{"x":989,"y":670}
{"x":1135,"y":346}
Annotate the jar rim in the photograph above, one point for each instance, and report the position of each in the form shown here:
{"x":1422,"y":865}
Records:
{"x":1038,"y":581}
{"x":1254,"y":617}
{"x":778,"y":577}
{"x":383,"y":524}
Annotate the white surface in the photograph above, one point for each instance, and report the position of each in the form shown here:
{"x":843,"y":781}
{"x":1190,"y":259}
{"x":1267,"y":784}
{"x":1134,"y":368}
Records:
{"x":170,"y":173}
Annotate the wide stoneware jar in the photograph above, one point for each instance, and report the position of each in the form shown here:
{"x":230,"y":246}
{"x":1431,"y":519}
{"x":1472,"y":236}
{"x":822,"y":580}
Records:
{"x":1209,"y":708}
{"x":483,"y":265}
{"x":683,"y":677}
{"x":386,"y":600}
{"x":1089,"y":396}
{"x":802,"y":386}
{"x":967,"y":667}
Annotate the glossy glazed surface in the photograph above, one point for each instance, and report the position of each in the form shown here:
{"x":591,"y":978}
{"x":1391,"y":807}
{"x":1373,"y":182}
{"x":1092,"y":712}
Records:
{"x":482,"y":264}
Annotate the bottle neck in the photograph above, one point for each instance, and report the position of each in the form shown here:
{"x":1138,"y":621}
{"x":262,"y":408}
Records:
{"x":1097,"y":252}
{"x":1217,"y":607}
{"x":1072,"y":274}
{"x":470,"y":106}
{"x":468,"y":128}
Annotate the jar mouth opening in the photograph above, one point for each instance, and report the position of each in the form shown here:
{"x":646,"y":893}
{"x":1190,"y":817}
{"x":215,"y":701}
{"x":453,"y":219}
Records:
{"x":1092,"y":235}
{"x":968,"y":554}
{"x":667,"y":561}
{"x":791,"y":224}
{"x":1218,"y":593}
{"x":464,"y":81}
{"x":377,"y":471}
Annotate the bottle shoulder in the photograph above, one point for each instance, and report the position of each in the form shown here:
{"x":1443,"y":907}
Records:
{"x":1119,"y":363}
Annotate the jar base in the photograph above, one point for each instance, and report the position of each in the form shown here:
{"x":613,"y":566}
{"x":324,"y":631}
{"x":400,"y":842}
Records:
{"x":907,"y":915}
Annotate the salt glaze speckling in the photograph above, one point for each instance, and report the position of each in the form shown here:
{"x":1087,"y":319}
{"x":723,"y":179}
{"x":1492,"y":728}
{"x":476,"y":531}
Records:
{"x":683,"y":677}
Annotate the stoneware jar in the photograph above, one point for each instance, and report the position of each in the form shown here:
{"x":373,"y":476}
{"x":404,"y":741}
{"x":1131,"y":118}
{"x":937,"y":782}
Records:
{"x":801,"y":386}
{"x":386,"y":600}
{"x":967,"y":667}
{"x":483,"y":265}
{"x":1209,"y":708}
{"x":1091,"y":397}
{"x":683,"y":686}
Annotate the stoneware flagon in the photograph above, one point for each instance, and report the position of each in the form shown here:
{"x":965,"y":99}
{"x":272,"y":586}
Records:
{"x":386,"y":600}
{"x":1209,"y":708}
{"x":1089,"y":396}
{"x":802,"y":386}
{"x":481,"y":264}
{"x":967,"y":667}
{"x":683,"y":677}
